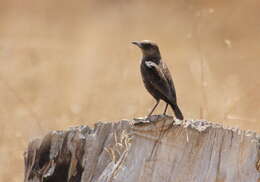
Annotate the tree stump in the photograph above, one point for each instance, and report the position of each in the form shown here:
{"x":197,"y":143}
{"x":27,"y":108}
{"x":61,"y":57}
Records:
{"x":136,"y":151}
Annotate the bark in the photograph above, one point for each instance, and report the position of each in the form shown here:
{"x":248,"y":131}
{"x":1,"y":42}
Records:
{"x":141,"y":151}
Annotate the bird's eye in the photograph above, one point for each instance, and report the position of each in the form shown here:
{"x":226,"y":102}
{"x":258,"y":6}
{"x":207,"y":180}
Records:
{"x":147,"y":46}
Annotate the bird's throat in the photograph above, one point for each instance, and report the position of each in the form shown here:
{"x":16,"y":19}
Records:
{"x":155,"y":59}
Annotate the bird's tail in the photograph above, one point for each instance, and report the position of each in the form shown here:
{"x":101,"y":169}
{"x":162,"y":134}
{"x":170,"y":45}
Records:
{"x":177,"y":111}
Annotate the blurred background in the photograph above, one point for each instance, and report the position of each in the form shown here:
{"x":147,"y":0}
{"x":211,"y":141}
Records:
{"x":67,"y":63}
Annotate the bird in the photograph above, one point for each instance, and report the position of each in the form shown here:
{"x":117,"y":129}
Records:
{"x":157,"y":78}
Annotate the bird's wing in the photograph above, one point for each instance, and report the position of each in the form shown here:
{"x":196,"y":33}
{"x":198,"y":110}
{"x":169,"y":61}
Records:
{"x":169,"y":78}
{"x":158,"y":79}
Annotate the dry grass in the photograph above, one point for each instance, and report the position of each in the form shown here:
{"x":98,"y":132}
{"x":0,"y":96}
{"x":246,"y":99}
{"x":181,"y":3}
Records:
{"x":65,"y":63}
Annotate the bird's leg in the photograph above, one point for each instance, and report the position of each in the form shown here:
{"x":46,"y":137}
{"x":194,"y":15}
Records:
{"x":157,"y":102}
{"x":165,"y":109}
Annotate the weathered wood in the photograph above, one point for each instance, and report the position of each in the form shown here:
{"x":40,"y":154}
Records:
{"x":190,"y":151}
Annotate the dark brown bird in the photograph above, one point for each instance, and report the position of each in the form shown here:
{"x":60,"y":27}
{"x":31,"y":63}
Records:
{"x":157,"y":77}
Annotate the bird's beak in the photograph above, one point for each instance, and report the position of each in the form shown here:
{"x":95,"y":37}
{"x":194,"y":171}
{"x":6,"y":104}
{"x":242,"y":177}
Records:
{"x":137,"y":43}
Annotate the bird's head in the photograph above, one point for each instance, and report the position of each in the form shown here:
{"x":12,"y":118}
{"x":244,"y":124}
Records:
{"x":149,"y":48}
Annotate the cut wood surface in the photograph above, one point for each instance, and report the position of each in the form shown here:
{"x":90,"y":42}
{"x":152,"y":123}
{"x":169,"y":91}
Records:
{"x":133,"y":151}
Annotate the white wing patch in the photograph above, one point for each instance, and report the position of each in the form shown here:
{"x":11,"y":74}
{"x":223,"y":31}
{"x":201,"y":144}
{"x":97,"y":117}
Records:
{"x":150,"y":64}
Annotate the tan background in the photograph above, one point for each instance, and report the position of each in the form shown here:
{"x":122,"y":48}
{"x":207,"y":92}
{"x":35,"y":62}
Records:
{"x":67,"y":63}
